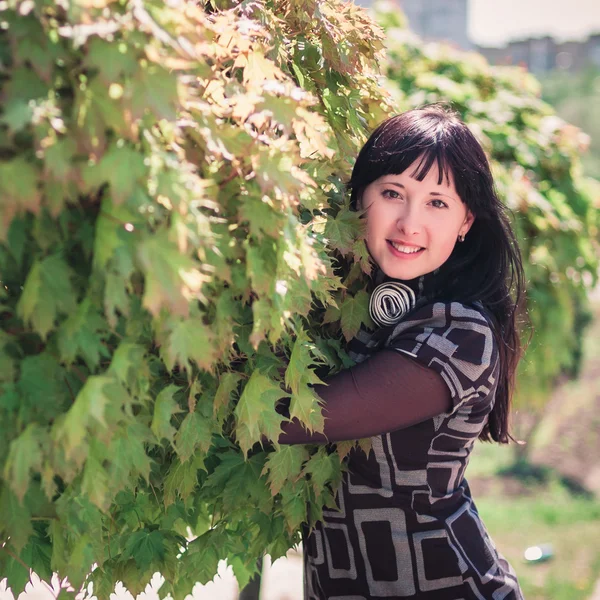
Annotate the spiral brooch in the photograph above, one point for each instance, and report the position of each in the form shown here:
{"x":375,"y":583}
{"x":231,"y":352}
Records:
{"x":389,"y":302}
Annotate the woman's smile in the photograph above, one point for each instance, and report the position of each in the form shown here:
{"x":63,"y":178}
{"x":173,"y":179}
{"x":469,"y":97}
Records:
{"x":405,"y":251}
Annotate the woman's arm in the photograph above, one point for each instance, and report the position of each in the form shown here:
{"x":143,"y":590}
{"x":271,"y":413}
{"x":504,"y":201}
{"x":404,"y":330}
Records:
{"x":388,"y":391}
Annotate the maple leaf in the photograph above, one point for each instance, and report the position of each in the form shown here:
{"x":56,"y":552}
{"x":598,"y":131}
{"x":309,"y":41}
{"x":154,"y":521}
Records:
{"x":18,"y":190}
{"x":187,"y":341}
{"x":145,"y":547}
{"x":127,"y":454}
{"x":322,"y":468}
{"x":304,"y":354}
{"x":355,"y":312}
{"x":24,"y":457}
{"x":165,"y":407}
{"x":182,"y":479}
{"x":294,"y":497}
{"x":255,"y":412}
{"x":15,"y":524}
{"x":172,"y":279}
{"x":195,"y":432}
{"x":82,"y":334}
{"x":237,"y":482}
{"x":101,"y":396}
{"x":343,"y":230}
{"x":122,"y":168}
{"x":47,"y":294}
{"x":96,"y":483}
{"x":286,"y":463}
{"x":306,"y":407}
{"x":228,"y":384}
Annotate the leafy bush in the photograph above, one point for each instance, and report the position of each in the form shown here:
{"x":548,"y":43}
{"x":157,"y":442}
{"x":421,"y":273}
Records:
{"x":169,"y":175}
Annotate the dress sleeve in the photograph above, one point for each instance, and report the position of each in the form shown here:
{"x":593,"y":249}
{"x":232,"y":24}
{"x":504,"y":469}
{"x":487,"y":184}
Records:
{"x":456,"y":341}
{"x":388,"y":391}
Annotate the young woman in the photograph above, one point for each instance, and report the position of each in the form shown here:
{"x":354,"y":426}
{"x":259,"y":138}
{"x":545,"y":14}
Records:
{"x":435,"y":375}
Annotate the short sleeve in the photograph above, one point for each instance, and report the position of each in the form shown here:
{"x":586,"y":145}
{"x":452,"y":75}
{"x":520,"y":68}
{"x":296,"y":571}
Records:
{"x":455,"y":340}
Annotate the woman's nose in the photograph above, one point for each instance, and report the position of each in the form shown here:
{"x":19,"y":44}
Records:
{"x":408,"y":222}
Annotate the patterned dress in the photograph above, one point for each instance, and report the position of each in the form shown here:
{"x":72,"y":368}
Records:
{"x":407,"y":526}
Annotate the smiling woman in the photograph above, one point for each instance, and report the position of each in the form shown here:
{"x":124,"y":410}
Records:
{"x":434,"y":375}
{"x":413,"y":224}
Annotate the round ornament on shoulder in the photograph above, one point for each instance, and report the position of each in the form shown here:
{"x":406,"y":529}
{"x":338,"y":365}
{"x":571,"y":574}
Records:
{"x":389,"y":302}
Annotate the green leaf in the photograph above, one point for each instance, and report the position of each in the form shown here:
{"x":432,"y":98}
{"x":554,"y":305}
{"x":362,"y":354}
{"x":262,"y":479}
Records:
{"x":96,"y":483}
{"x":25,"y":457}
{"x":15,"y":523}
{"x":101,"y":397}
{"x":322,"y":468}
{"x":182,"y":479}
{"x":306,"y":407}
{"x":122,"y":168}
{"x":228,"y":384}
{"x":255,"y":412}
{"x":172,"y":279}
{"x":112,"y":60}
{"x":155,"y":89}
{"x":195,"y":432}
{"x":165,"y":407}
{"x":145,"y":547}
{"x":82,"y":334}
{"x":342,"y":231}
{"x":47,"y":294}
{"x":18,"y":190}
{"x":294,"y":497}
{"x":285,"y":464}
{"x":185,"y":342}
{"x":355,"y":312}
{"x":237,"y":483}
{"x":299,"y":372}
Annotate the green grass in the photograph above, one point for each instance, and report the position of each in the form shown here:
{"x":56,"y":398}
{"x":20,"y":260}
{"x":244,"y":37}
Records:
{"x":528,"y":506}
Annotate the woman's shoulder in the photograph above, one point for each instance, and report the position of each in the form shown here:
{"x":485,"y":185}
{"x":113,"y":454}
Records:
{"x":458,"y":330}
{"x":446,"y":315}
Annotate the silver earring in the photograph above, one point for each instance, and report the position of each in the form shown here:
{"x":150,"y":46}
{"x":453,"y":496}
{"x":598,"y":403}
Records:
{"x":461,"y":238}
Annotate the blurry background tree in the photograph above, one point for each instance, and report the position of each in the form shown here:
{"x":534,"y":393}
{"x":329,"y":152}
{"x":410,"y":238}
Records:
{"x":576,"y":98}
{"x":175,"y":235}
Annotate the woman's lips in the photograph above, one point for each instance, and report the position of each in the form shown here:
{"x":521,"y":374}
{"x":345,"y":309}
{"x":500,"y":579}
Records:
{"x":404,"y":255}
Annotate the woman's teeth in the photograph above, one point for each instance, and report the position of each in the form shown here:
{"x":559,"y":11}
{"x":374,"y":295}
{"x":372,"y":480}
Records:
{"x":405,"y":249}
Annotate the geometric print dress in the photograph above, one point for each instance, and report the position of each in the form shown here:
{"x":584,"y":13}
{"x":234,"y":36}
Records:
{"x":407,"y":526}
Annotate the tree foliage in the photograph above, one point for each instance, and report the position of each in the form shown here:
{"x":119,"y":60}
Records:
{"x":177,"y":257}
{"x":171,"y":178}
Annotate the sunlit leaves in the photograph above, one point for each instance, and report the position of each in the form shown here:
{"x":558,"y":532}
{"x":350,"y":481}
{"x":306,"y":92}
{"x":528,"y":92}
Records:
{"x":285,"y":464}
{"x":255,"y":414}
{"x":162,"y":170}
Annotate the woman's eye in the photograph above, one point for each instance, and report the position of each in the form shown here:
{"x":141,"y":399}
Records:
{"x":391,"y":194}
{"x":439,"y":204}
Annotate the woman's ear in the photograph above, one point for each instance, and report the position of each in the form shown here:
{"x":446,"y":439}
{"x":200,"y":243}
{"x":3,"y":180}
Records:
{"x":468,"y":222}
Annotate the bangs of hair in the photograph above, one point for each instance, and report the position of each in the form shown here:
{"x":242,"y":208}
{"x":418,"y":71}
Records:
{"x":407,"y":139}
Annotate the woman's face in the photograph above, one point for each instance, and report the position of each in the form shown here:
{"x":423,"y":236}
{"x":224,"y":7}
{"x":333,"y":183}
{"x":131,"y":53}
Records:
{"x":412,"y":226}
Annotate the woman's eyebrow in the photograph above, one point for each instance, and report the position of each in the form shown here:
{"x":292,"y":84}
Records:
{"x":392,"y":183}
{"x":444,"y":195}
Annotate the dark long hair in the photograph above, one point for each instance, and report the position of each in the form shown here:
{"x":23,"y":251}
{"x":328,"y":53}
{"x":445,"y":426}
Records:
{"x":487,"y":266}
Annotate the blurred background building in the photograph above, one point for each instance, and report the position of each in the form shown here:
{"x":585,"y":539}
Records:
{"x":448,"y":20}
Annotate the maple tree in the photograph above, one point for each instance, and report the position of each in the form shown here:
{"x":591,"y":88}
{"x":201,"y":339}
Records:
{"x":172,"y":182}
{"x":177,"y":257}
